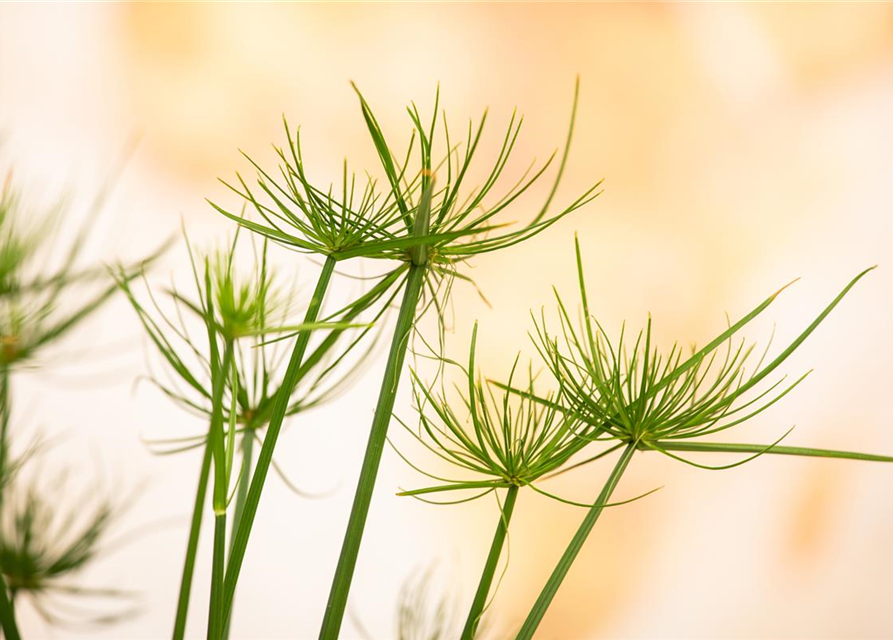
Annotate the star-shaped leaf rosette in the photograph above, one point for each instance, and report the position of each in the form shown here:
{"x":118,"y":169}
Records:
{"x":45,"y":289}
{"x":46,"y":543}
{"x":426,"y":219}
{"x":501,"y":440}
{"x":252,"y":312}
{"x":634,"y":398}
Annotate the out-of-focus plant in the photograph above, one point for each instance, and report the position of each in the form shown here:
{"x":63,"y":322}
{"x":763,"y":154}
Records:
{"x":430,"y":231}
{"x":633,"y":398}
{"x":423,"y":613}
{"x":45,"y":293}
{"x":45,"y":542}
{"x":231,"y":374}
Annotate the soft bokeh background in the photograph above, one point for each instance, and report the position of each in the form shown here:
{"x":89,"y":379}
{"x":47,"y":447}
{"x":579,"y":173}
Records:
{"x":743,"y":145}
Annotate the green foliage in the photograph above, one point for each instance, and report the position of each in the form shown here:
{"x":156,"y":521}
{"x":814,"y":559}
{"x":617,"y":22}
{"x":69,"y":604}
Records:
{"x":377,"y":223}
{"x":636,"y":394}
{"x":442,"y":227}
{"x":635,"y":398}
{"x":246,"y":308}
{"x":45,"y":292}
{"x":424,"y":612}
{"x":45,"y":543}
{"x":504,"y":440}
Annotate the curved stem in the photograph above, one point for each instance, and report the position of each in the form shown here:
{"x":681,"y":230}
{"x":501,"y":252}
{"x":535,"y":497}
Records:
{"x":265,"y":457}
{"x":545,"y":599}
{"x":192,"y":546}
{"x":480,"y":598}
{"x":350,"y":548}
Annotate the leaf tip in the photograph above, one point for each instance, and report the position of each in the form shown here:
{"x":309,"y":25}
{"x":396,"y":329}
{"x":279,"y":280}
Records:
{"x":777,"y":293}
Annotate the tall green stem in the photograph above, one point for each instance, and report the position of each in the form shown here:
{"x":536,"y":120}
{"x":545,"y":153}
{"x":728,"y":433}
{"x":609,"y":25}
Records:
{"x":215,"y":615}
{"x":221,"y":485}
{"x":7,"y":610}
{"x":241,"y":494}
{"x":5,"y":414}
{"x":192,"y":546}
{"x":265,"y":457}
{"x":7,"y":613}
{"x":545,"y":599}
{"x":480,"y":598}
{"x":350,"y":548}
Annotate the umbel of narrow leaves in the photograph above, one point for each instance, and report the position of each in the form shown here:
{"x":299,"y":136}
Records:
{"x":47,"y":537}
{"x":632,"y":393}
{"x":353,"y":219}
{"x":45,"y":291}
{"x":499,"y":440}
{"x":254,"y":309}
{"x":636,"y":398}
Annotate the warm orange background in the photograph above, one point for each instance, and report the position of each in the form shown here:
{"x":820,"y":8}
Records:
{"x":742,"y":145}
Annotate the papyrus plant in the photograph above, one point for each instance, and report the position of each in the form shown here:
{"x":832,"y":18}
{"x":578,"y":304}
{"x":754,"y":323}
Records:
{"x":45,"y":293}
{"x":425,"y":612}
{"x":499,"y":440}
{"x":240,"y":318}
{"x":48,"y":535}
{"x":425,"y":227}
{"x":638,"y":399}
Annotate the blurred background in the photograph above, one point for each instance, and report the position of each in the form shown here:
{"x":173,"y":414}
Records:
{"x":742,"y":146}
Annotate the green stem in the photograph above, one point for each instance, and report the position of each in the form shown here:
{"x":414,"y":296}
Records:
{"x":192,"y":546}
{"x":244,"y":482}
{"x":480,"y":598}
{"x":545,"y":599}
{"x":241,"y":494}
{"x":7,"y":613}
{"x":5,"y":413}
{"x":221,"y":485}
{"x":215,"y":615}
{"x":7,"y":610}
{"x":350,"y":548}
{"x":265,"y":457}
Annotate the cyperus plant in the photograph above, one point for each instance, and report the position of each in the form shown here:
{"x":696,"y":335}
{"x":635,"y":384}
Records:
{"x":637,"y":399}
{"x":503,"y":441}
{"x":45,"y":542}
{"x":427,"y":229}
{"x":46,"y":292}
{"x":228,"y":311}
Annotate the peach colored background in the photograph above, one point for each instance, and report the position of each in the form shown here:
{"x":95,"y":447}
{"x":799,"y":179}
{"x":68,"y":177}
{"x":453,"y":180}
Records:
{"x":742,"y":145}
